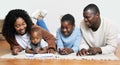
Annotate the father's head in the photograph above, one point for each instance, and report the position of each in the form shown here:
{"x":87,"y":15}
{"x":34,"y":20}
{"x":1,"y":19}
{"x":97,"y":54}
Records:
{"x":91,"y":16}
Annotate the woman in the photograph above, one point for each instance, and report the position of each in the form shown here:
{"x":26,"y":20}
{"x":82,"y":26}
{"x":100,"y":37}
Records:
{"x":16,"y":29}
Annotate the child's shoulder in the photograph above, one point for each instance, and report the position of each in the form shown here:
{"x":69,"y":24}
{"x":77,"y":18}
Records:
{"x":76,"y":29}
{"x":58,"y":29}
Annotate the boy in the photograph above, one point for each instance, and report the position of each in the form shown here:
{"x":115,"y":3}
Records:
{"x":37,"y":44}
{"x":68,"y":37}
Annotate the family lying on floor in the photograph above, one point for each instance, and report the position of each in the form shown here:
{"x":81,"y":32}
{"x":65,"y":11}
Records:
{"x":96,"y":35}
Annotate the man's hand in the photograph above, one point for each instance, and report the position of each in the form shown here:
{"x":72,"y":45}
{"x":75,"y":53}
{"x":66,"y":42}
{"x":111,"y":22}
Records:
{"x":94,"y":50}
{"x":82,"y":52}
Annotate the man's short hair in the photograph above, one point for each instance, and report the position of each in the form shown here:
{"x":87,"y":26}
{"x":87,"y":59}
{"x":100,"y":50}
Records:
{"x":92,"y":7}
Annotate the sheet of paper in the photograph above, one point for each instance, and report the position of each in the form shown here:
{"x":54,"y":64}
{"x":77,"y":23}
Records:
{"x":49,"y":55}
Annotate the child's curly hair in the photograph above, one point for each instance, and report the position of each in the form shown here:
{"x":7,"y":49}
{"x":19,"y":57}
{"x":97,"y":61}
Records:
{"x":8,"y":30}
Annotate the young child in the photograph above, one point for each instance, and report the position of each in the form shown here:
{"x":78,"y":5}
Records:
{"x":39,"y":15}
{"x":38,"y":45}
{"x":68,"y":37}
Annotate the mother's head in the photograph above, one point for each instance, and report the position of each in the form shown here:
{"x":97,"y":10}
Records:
{"x":17,"y":21}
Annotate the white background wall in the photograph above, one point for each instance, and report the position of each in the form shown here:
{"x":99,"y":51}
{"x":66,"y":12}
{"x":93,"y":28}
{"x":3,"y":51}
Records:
{"x":55,"y":8}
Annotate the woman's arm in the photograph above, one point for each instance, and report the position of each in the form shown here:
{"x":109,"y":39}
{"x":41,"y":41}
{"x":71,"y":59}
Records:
{"x":50,"y":39}
{"x":14,"y":46}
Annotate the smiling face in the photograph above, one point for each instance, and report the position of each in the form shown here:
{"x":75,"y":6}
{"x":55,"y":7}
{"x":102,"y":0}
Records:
{"x":20,"y":26}
{"x":66,"y":28}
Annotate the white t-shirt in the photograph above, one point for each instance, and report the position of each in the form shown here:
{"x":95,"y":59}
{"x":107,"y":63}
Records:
{"x":23,"y":40}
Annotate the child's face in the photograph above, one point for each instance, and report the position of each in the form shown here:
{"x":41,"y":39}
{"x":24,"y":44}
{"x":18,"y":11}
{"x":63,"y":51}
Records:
{"x":66,"y":28}
{"x":35,"y":37}
{"x":20,"y":26}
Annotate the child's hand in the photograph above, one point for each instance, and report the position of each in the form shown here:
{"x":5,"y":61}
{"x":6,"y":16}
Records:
{"x":37,"y":50}
{"x":65,"y":51}
{"x":62,"y":51}
{"x":68,"y":50}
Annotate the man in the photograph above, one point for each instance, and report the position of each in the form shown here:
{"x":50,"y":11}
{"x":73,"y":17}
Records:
{"x":99,"y":34}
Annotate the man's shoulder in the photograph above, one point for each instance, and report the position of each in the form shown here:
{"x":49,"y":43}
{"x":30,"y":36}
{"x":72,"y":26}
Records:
{"x":81,"y":22}
{"x":109,"y":22}
{"x":83,"y":25}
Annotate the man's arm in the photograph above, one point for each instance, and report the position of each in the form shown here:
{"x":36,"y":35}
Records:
{"x":111,"y":39}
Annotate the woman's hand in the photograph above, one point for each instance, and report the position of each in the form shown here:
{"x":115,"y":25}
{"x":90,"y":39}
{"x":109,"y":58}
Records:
{"x":15,"y":51}
{"x":51,"y":50}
